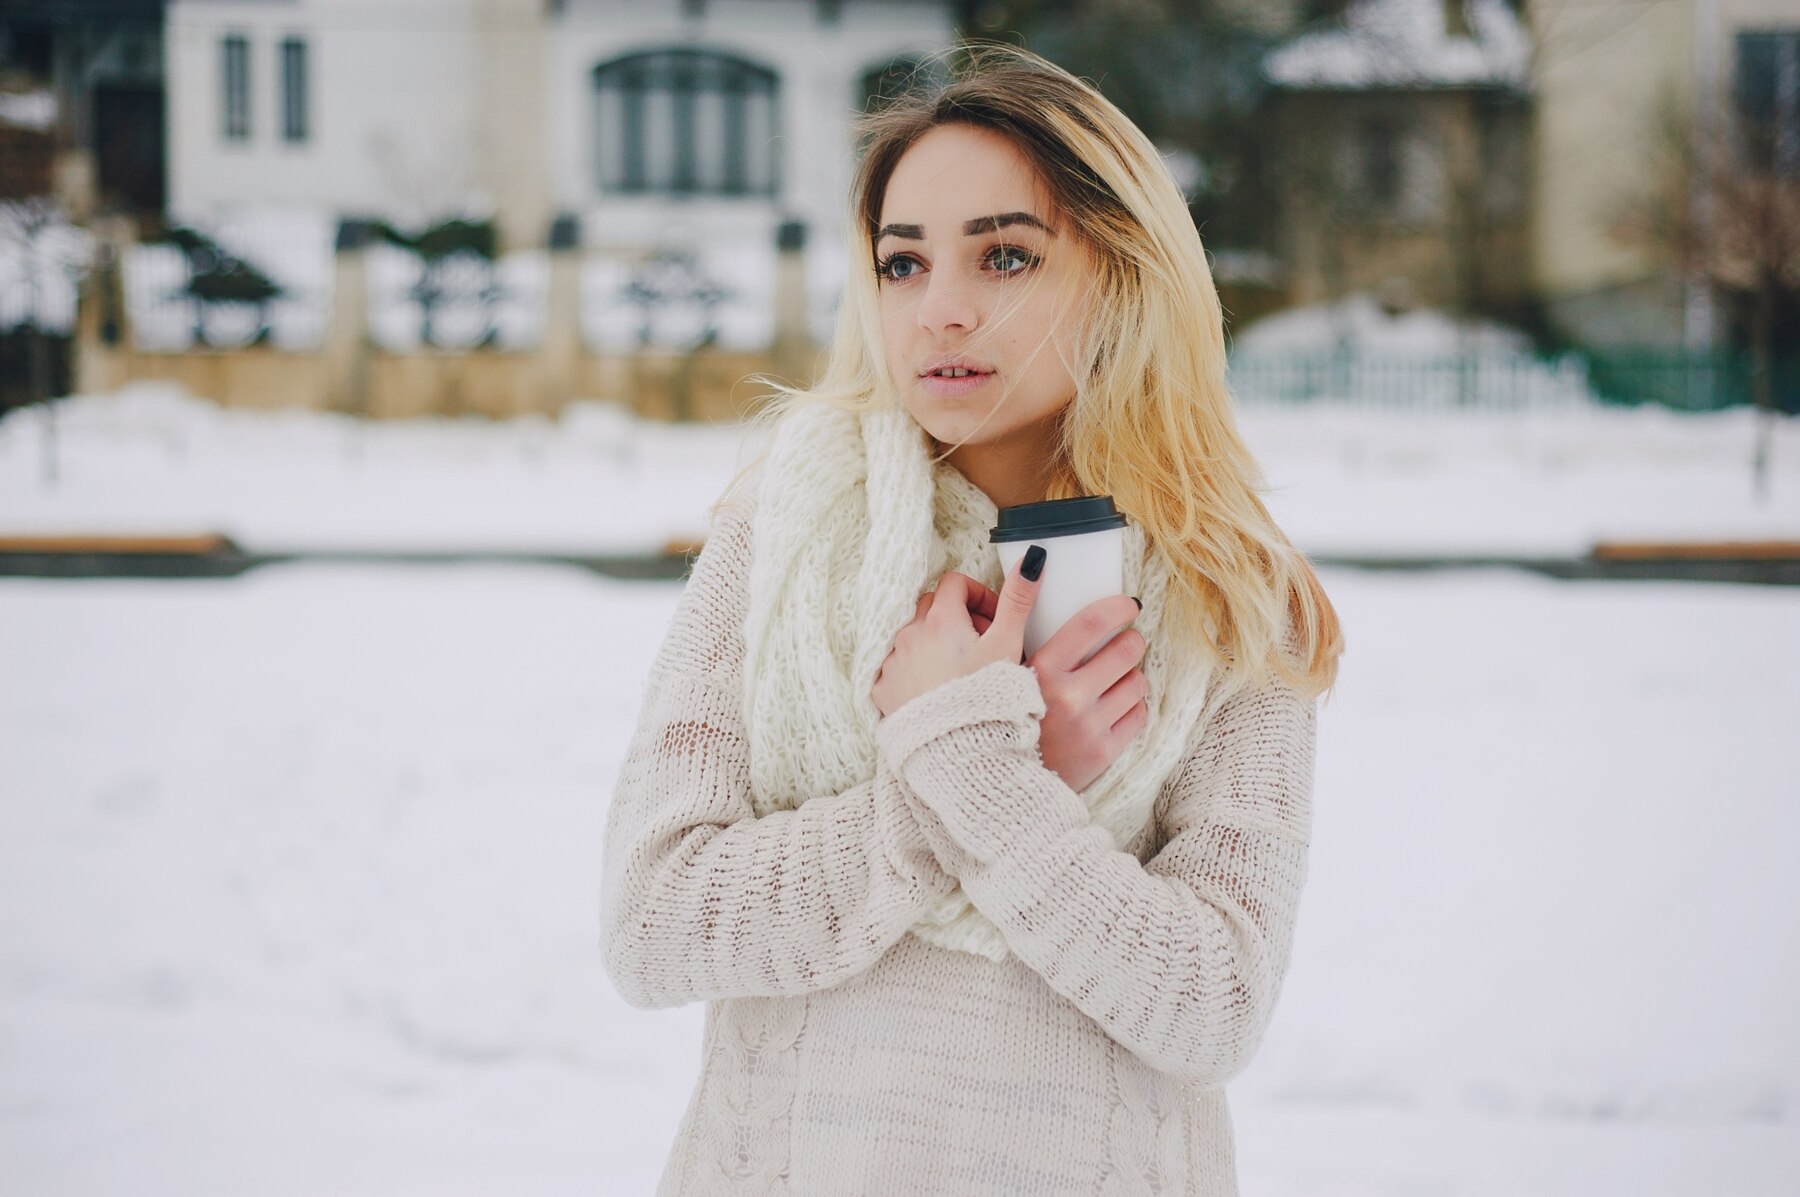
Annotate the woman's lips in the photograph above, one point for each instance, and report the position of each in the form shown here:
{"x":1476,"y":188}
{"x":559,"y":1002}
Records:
{"x":937,"y":384}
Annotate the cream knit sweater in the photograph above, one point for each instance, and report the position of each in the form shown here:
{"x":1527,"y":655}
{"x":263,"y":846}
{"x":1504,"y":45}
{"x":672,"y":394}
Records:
{"x":844,"y":1057}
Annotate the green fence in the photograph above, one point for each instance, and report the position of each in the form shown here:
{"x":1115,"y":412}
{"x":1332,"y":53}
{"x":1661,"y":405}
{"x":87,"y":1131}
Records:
{"x":1506,"y":381}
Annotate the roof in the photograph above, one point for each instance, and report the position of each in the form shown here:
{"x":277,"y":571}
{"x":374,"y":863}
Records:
{"x":1403,"y":43}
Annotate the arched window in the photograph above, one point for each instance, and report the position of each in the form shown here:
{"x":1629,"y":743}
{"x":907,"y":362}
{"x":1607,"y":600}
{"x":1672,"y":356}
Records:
{"x":686,"y":122}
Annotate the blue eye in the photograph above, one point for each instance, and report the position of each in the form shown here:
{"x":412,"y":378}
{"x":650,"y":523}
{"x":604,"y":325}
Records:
{"x":1010,"y":259}
{"x":893,"y":267}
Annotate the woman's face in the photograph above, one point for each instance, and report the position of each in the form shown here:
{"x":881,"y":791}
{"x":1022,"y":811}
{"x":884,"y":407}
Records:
{"x":981,"y":287}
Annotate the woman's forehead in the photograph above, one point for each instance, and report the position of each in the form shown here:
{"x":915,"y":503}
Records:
{"x":956,"y":178}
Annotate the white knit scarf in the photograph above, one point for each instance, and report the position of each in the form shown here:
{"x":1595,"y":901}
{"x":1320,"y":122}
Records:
{"x":852,"y":523}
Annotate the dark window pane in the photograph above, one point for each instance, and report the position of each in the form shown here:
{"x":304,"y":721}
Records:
{"x":684,"y":121}
{"x":234,"y":75}
{"x":1381,"y":163}
{"x":293,"y":90}
{"x":1766,"y":93}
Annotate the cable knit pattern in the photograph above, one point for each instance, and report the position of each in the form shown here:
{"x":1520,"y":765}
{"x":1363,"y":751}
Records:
{"x":1144,"y":1143}
{"x":746,"y":1129}
{"x":846,"y":1054}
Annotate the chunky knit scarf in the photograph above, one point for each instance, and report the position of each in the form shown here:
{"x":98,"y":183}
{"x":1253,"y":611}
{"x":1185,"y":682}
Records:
{"x":853,"y":522}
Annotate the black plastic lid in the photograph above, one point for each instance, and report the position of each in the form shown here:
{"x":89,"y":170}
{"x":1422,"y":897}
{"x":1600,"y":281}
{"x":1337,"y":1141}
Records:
{"x":1056,"y":517}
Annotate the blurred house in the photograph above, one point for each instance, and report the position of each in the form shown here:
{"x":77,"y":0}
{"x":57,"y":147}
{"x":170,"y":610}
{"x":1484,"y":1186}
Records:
{"x":1642,"y":113}
{"x":81,"y":103}
{"x":1402,"y":135}
{"x":651,"y":121}
{"x":399,"y":206}
{"x":1614,"y":176}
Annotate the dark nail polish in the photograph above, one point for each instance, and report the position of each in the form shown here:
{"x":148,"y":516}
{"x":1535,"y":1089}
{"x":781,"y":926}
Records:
{"x":1034,"y":563}
{"x":1138,"y":601}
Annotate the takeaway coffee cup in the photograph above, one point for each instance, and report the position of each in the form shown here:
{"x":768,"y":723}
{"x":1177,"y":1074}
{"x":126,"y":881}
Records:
{"x":1085,"y":540}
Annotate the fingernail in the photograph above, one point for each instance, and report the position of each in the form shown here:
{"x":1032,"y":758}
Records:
{"x":1034,"y":563}
{"x":1138,"y":601}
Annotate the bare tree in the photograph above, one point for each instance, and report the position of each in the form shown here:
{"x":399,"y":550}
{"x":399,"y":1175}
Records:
{"x":1721,"y":211}
{"x":48,"y":252}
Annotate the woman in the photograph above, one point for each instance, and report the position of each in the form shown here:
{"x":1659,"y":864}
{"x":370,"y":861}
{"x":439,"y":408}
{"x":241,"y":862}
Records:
{"x":965,"y":922}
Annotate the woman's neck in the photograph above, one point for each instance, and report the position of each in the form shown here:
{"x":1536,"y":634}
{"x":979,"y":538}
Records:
{"x":1008,"y":472}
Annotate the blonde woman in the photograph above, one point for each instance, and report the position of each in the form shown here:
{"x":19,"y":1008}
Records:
{"x":968,"y":922}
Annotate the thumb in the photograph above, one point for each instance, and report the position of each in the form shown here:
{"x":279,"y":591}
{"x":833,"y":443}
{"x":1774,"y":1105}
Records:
{"x":1017,"y":597}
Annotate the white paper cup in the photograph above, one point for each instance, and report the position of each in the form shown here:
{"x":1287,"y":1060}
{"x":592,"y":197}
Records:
{"x":1084,"y":539}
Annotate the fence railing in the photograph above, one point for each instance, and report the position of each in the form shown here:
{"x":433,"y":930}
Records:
{"x":1501,"y":380}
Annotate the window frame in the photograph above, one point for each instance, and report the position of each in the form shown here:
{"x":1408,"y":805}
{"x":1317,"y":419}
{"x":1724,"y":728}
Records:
{"x":690,"y":84}
{"x":296,"y":89}
{"x":234,"y":87}
{"x":1772,"y":148}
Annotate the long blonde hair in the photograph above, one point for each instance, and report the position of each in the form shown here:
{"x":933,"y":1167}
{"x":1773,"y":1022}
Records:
{"x":1151,"y":422}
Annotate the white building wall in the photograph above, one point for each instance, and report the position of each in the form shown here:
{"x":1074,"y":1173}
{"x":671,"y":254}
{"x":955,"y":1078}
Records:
{"x":399,"y":127}
{"x":425,"y":109}
{"x":819,"y":65}
{"x":390,"y":108}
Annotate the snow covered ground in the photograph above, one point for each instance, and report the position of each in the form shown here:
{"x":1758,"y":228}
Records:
{"x":1343,"y":479}
{"x":299,"y":870}
{"x":299,"y":881}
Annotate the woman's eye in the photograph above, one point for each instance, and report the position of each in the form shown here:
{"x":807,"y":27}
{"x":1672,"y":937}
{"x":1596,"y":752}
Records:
{"x":900,"y":266}
{"x":1010,"y":259}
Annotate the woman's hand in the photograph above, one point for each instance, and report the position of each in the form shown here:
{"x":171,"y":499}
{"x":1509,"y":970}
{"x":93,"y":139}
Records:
{"x":955,"y":630}
{"x":1091,"y":711}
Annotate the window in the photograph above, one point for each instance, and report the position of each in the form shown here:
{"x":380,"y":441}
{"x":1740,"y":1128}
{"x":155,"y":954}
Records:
{"x":1381,"y":158}
{"x":686,"y":122}
{"x":234,"y":75}
{"x":1768,"y":101}
{"x":1506,"y":170}
{"x":293,"y":90}
{"x":1391,"y":171}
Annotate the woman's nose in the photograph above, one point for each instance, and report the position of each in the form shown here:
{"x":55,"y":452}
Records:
{"x":946,"y":304}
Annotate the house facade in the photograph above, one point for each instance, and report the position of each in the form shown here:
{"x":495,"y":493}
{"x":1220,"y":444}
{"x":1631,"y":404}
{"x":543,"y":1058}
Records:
{"x":81,"y":104}
{"x":1401,"y":131}
{"x":657,"y":120}
{"x":1621,"y":92}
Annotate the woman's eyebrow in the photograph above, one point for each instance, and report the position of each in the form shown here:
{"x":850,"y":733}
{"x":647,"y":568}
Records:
{"x":987,"y":224}
{"x":981,"y":224}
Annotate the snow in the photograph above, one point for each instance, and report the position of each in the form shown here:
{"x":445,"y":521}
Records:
{"x":292,"y":246}
{"x":742,"y":272}
{"x":300,"y":882}
{"x":152,"y":457}
{"x":1358,"y":352}
{"x":1359,"y":321}
{"x":42,"y":257}
{"x":509,"y":295}
{"x":1404,"y":43}
{"x":299,"y":869}
{"x":34,"y":110}
{"x":1342,"y":477}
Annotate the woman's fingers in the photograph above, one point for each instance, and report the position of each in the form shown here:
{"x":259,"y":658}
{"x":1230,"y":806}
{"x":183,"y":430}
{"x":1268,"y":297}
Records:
{"x":1086,"y":628}
{"x":1116,"y":658}
{"x":982,"y":601}
{"x":1135,"y":721}
{"x":979,"y":601}
{"x":1121,"y":698}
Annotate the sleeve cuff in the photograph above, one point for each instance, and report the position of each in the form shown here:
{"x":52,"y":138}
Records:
{"x":999,"y":692}
{"x":982,"y":778}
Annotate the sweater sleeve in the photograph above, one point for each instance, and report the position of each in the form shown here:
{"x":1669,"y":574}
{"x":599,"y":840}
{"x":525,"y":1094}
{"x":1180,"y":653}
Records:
{"x":1179,"y":959}
{"x":701,"y":899}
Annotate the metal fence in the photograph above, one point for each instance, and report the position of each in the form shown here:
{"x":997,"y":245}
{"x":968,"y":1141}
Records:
{"x":1491,"y":380}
